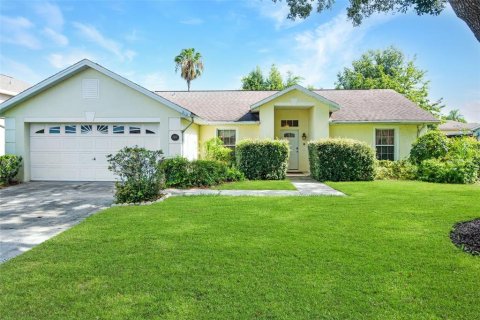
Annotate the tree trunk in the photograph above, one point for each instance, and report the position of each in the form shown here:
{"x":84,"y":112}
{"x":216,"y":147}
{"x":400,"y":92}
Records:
{"x":468,"y":11}
{"x":188,"y":85}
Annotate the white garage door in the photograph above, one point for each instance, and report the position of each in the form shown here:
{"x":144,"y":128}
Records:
{"x":77,"y":152}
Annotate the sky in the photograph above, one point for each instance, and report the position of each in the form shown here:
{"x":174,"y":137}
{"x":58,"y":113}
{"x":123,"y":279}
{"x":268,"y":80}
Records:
{"x":139,"y":39}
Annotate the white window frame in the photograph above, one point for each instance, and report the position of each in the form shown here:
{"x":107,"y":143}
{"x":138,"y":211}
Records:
{"x":396,"y":131}
{"x":231,"y":129}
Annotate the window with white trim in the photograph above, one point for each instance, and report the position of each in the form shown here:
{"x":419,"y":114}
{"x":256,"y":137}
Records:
{"x":289,"y":123}
{"x":229,"y":137}
{"x":385,"y":144}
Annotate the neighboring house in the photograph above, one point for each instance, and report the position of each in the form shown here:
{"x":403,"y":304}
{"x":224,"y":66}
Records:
{"x":454,"y":129}
{"x":9,"y":87}
{"x":66,"y":125}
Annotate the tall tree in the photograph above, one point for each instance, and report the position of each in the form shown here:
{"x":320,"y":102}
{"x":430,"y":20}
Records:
{"x":256,"y":81}
{"x":190,"y":64}
{"x":467,"y":10}
{"x":389,"y":69}
{"x":455,"y":115}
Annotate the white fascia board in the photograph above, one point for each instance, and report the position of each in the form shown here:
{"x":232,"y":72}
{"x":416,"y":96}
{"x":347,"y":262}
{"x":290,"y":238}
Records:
{"x":332,"y":105}
{"x":384,"y":121}
{"x":80,"y":66}
{"x":202,"y":122}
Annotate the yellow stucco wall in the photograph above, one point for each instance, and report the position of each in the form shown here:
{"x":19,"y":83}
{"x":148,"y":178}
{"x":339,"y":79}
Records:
{"x":244,"y":131}
{"x":64,"y":101}
{"x":405,"y":135}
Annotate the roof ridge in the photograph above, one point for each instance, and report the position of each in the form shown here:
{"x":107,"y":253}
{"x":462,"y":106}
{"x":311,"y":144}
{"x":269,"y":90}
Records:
{"x":240,"y":90}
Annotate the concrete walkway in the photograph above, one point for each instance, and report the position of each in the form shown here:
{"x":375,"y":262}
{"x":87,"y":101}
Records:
{"x":306,"y":186}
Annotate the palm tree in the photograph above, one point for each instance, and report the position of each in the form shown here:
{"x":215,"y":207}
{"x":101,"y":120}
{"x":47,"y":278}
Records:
{"x":455,"y":115}
{"x":190,"y":63}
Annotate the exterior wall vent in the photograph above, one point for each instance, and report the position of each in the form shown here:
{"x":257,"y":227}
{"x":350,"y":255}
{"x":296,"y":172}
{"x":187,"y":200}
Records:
{"x":90,"y":88}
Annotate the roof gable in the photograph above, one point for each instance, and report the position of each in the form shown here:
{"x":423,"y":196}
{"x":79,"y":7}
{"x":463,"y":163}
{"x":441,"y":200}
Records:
{"x":76,"y":68}
{"x":332,"y":105}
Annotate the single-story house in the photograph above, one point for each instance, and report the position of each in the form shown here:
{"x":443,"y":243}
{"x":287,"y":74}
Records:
{"x":455,"y":129}
{"x":64,"y":126}
{"x":9,"y":87}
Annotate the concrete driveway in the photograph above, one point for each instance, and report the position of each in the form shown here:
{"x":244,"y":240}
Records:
{"x":33,"y":212}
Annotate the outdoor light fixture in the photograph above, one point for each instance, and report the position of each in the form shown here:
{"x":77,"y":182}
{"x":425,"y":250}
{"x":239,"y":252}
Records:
{"x":304,"y":136}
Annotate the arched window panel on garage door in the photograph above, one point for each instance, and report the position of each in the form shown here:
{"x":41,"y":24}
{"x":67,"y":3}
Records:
{"x":37,"y":129}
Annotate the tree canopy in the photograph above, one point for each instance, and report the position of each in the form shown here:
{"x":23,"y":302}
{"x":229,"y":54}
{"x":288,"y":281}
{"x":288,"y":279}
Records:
{"x":467,"y":10}
{"x":255,"y":80}
{"x":190,"y":64}
{"x":389,"y":69}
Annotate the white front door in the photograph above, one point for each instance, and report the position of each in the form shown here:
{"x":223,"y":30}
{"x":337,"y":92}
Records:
{"x":78,"y":152}
{"x":292,"y":137}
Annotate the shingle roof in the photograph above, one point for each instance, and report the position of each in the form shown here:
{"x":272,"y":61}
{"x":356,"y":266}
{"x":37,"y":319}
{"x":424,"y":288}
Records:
{"x":450,"y":125}
{"x":376,"y":105}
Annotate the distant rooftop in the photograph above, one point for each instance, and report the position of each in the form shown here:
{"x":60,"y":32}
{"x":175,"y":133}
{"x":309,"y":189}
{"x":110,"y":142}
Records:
{"x":10,"y":86}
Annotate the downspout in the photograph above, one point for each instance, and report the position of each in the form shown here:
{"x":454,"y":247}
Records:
{"x":183,"y":131}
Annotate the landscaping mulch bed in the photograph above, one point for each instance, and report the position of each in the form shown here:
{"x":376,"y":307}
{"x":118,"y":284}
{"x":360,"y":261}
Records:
{"x":466,"y":235}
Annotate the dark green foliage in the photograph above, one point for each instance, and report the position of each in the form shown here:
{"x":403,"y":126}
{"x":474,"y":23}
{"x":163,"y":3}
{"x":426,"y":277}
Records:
{"x":448,"y":171}
{"x":358,"y":9}
{"x":433,"y":144}
{"x":181,"y":173}
{"x":9,"y":166}
{"x":341,"y":160}
{"x":137,"y":169}
{"x":175,"y":172}
{"x":263,"y":159}
{"x":395,"y":170}
{"x":444,"y":160}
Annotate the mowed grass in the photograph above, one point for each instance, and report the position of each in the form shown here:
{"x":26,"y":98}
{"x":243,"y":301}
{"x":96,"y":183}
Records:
{"x":383,"y":252}
{"x":257,"y":185}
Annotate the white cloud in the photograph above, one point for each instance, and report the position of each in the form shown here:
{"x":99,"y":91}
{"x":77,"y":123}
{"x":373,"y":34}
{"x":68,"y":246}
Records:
{"x":192,"y":21}
{"x":56,"y":37}
{"x":92,"y":34}
{"x":51,"y":14}
{"x":18,"y":70}
{"x":63,"y":60}
{"x":154,"y":81}
{"x":319,"y":54}
{"x":18,"y":31}
{"x":277,"y":12}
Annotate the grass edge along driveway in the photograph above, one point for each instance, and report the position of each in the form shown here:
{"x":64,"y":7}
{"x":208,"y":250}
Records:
{"x":381,"y":253}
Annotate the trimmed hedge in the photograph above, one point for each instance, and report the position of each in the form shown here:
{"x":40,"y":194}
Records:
{"x":9,"y":166}
{"x":263,"y":159}
{"x":341,"y":160}
{"x":179,"y":172}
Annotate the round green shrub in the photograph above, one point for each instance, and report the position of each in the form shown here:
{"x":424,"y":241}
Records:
{"x":263,"y":159}
{"x":9,"y":166}
{"x":448,"y":171}
{"x":395,"y":170}
{"x":432,"y":145}
{"x":341,"y":160}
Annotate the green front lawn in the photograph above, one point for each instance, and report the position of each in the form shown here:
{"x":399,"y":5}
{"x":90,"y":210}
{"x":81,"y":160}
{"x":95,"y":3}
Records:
{"x":257,"y":185}
{"x":383,"y":252}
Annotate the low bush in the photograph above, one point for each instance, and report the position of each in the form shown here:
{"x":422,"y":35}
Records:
{"x":181,"y":173}
{"x":215,"y":150}
{"x":341,"y":160}
{"x":395,"y":170}
{"x":263,"y":159}
{"x":138,"y":174}
{"x":448,"y":171}
{"x":9,"y":166}
{"x":432,"y":145}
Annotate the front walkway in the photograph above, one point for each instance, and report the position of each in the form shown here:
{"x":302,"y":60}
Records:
{"x":306,"y":186}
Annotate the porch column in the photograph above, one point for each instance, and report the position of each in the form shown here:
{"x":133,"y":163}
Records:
{"x":267,"y":122}
{"x":319,"y":123}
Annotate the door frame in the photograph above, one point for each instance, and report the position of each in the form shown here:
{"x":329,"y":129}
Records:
{"x":296,"y":131}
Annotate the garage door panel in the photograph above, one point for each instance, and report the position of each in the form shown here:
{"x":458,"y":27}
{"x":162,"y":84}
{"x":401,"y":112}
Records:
{"x":81,"y":157}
